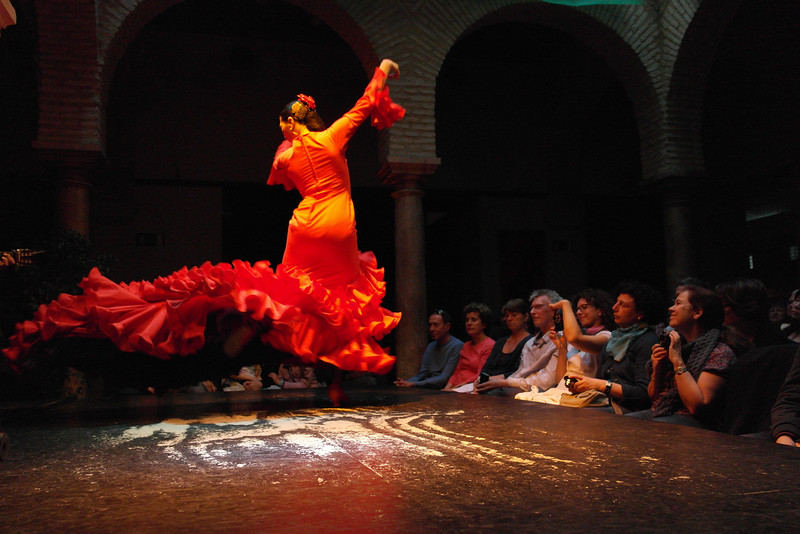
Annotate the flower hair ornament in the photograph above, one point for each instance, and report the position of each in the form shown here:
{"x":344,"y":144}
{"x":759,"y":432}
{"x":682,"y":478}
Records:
{"x":308,"y":101}
{"x":303,"y":105}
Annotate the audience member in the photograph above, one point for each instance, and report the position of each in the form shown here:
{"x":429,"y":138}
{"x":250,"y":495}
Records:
{"x":586,"y":331}
{"x":777,"y":311}
{"x":689,"y":370}
{"x":785,"y":426}
{"x":247,"y":379}
{"x":295,"y":375}
{"x":683,"y":283}
{"x":507,"y":351}
{"x":537,"y":367}
{"x":624,"y":378}
{"x":440,"y":357}
{"x":475,"y":352}
{"x":746,"y":303}
{"x":791,"y":327}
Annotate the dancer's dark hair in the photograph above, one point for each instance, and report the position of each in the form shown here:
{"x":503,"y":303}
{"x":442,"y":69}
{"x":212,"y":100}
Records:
{"x":304,"y":114}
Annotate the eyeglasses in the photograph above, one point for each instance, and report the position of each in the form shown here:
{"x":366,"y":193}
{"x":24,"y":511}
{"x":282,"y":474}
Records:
{"x":539,"y":306}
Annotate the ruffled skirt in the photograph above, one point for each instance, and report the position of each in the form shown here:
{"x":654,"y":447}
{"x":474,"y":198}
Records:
{"x":339,"y":325}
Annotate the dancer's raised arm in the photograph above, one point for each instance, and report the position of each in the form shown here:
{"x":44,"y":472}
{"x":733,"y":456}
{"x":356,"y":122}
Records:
{"x":390,"y":69}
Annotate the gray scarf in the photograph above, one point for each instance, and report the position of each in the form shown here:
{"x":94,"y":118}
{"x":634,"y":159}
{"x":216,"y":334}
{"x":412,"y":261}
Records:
{"x":698,"y":352}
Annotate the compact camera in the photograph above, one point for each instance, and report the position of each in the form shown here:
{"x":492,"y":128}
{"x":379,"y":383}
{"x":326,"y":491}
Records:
{"x":558,"y":321}
{"x":570,"y":381}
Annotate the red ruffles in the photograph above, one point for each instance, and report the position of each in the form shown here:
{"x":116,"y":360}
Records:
{"x":168,"y":315}
{"x":384,"y":111}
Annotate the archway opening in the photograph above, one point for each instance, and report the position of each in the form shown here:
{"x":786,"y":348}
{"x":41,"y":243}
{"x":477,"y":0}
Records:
{"x":540,"y":155}
{"x":192,"y":128}
{"x":751,"y":135}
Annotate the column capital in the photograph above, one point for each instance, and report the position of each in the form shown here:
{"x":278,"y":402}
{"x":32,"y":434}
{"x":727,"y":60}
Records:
{"x":77,"y":166}
{"x":69,"y":158}
{"x":407,"y":173}
{"x":677,"y":189}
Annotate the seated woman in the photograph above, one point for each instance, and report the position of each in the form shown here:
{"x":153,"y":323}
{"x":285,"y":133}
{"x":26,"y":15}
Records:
{"x":507,"y":351}
{"x":623,"y":376}
{"x":688,"y":374}
{"x":586,"y":331}
{"x":474,"y":352}
{"x":294,"y":375}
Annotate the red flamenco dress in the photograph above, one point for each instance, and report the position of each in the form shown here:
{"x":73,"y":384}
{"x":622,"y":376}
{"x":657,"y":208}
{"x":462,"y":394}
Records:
{"x":322,"y":303}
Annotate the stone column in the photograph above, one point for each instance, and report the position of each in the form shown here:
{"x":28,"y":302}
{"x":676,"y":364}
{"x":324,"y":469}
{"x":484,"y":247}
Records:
{"x":409,"y":285}
{"x":676,"y":195}
{"x":73,"y":171}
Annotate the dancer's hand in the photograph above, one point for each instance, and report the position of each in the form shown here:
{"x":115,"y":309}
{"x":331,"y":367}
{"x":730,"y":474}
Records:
{"x":390,"y":69}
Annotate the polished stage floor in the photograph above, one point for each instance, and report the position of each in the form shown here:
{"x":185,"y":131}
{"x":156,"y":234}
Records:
{"x":392,"y":461}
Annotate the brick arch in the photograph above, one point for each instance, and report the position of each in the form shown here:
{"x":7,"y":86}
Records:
{"x":628,"y":45}
{"x":120,"y":21}
{"x":688,"y":84}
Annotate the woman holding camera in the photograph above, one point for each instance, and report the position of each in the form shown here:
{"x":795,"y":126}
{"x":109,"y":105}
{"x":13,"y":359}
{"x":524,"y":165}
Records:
{"x":688,"y":371}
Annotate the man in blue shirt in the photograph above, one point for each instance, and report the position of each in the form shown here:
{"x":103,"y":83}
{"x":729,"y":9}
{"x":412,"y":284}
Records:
{"x":440,"y":357}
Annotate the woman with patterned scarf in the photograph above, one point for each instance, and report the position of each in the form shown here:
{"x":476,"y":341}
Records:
{"x":687,"y":376}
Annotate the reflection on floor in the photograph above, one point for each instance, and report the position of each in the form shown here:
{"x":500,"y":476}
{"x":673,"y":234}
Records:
{"x":393,"y":461}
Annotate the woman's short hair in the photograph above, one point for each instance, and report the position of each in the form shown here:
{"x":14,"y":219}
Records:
{"x":708,"y":301}
{"x":602,"y":301}
{"x":515,"y":306}
{"x":483,"y":311}
{"x":648,"y":301}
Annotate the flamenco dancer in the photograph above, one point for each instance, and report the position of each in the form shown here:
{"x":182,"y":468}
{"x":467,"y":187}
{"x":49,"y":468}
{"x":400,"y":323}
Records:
{"x":322,"y":303}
